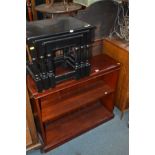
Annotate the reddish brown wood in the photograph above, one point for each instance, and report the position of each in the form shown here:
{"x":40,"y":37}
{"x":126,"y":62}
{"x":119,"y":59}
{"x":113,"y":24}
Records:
{"x":108,"y":102}
{"x":61,"y":110}
{"x":73,"y":125}
{"x":101,"y":65}
{"x":71,"y":91}
{"x":74,"y":103}
{"x":37,"y":103}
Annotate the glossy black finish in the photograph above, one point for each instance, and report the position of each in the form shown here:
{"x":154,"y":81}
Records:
{"x":58,"y":43}
{"x":53,"y":27}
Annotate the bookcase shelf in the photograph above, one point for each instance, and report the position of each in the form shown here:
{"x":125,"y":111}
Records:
{"x":75,"y":106}
{"x":74,"y":103}
{"x":74,"y":124}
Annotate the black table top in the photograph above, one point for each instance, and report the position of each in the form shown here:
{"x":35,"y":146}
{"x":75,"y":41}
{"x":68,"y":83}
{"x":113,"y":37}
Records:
{"x":52,"y":27}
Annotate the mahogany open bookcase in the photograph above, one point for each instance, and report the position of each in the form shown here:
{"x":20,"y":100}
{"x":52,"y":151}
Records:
{"x":75,"y":106}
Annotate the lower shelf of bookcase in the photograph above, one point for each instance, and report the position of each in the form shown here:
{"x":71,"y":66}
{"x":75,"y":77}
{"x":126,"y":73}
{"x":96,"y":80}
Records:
{"x":72,"y":125}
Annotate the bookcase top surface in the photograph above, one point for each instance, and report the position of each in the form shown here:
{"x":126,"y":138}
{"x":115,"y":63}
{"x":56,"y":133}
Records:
{"x":100,"y":64}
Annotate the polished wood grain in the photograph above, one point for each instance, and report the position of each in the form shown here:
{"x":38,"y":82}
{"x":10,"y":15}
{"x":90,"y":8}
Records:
{"x":119,"y":50}
{"x":75,"y":106}
{"x":73,"y":125}
{"x":76,"y":102}
{"x":100,"y":64}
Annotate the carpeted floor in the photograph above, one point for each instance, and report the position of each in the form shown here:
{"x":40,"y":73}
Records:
{"x":110,"y":138}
